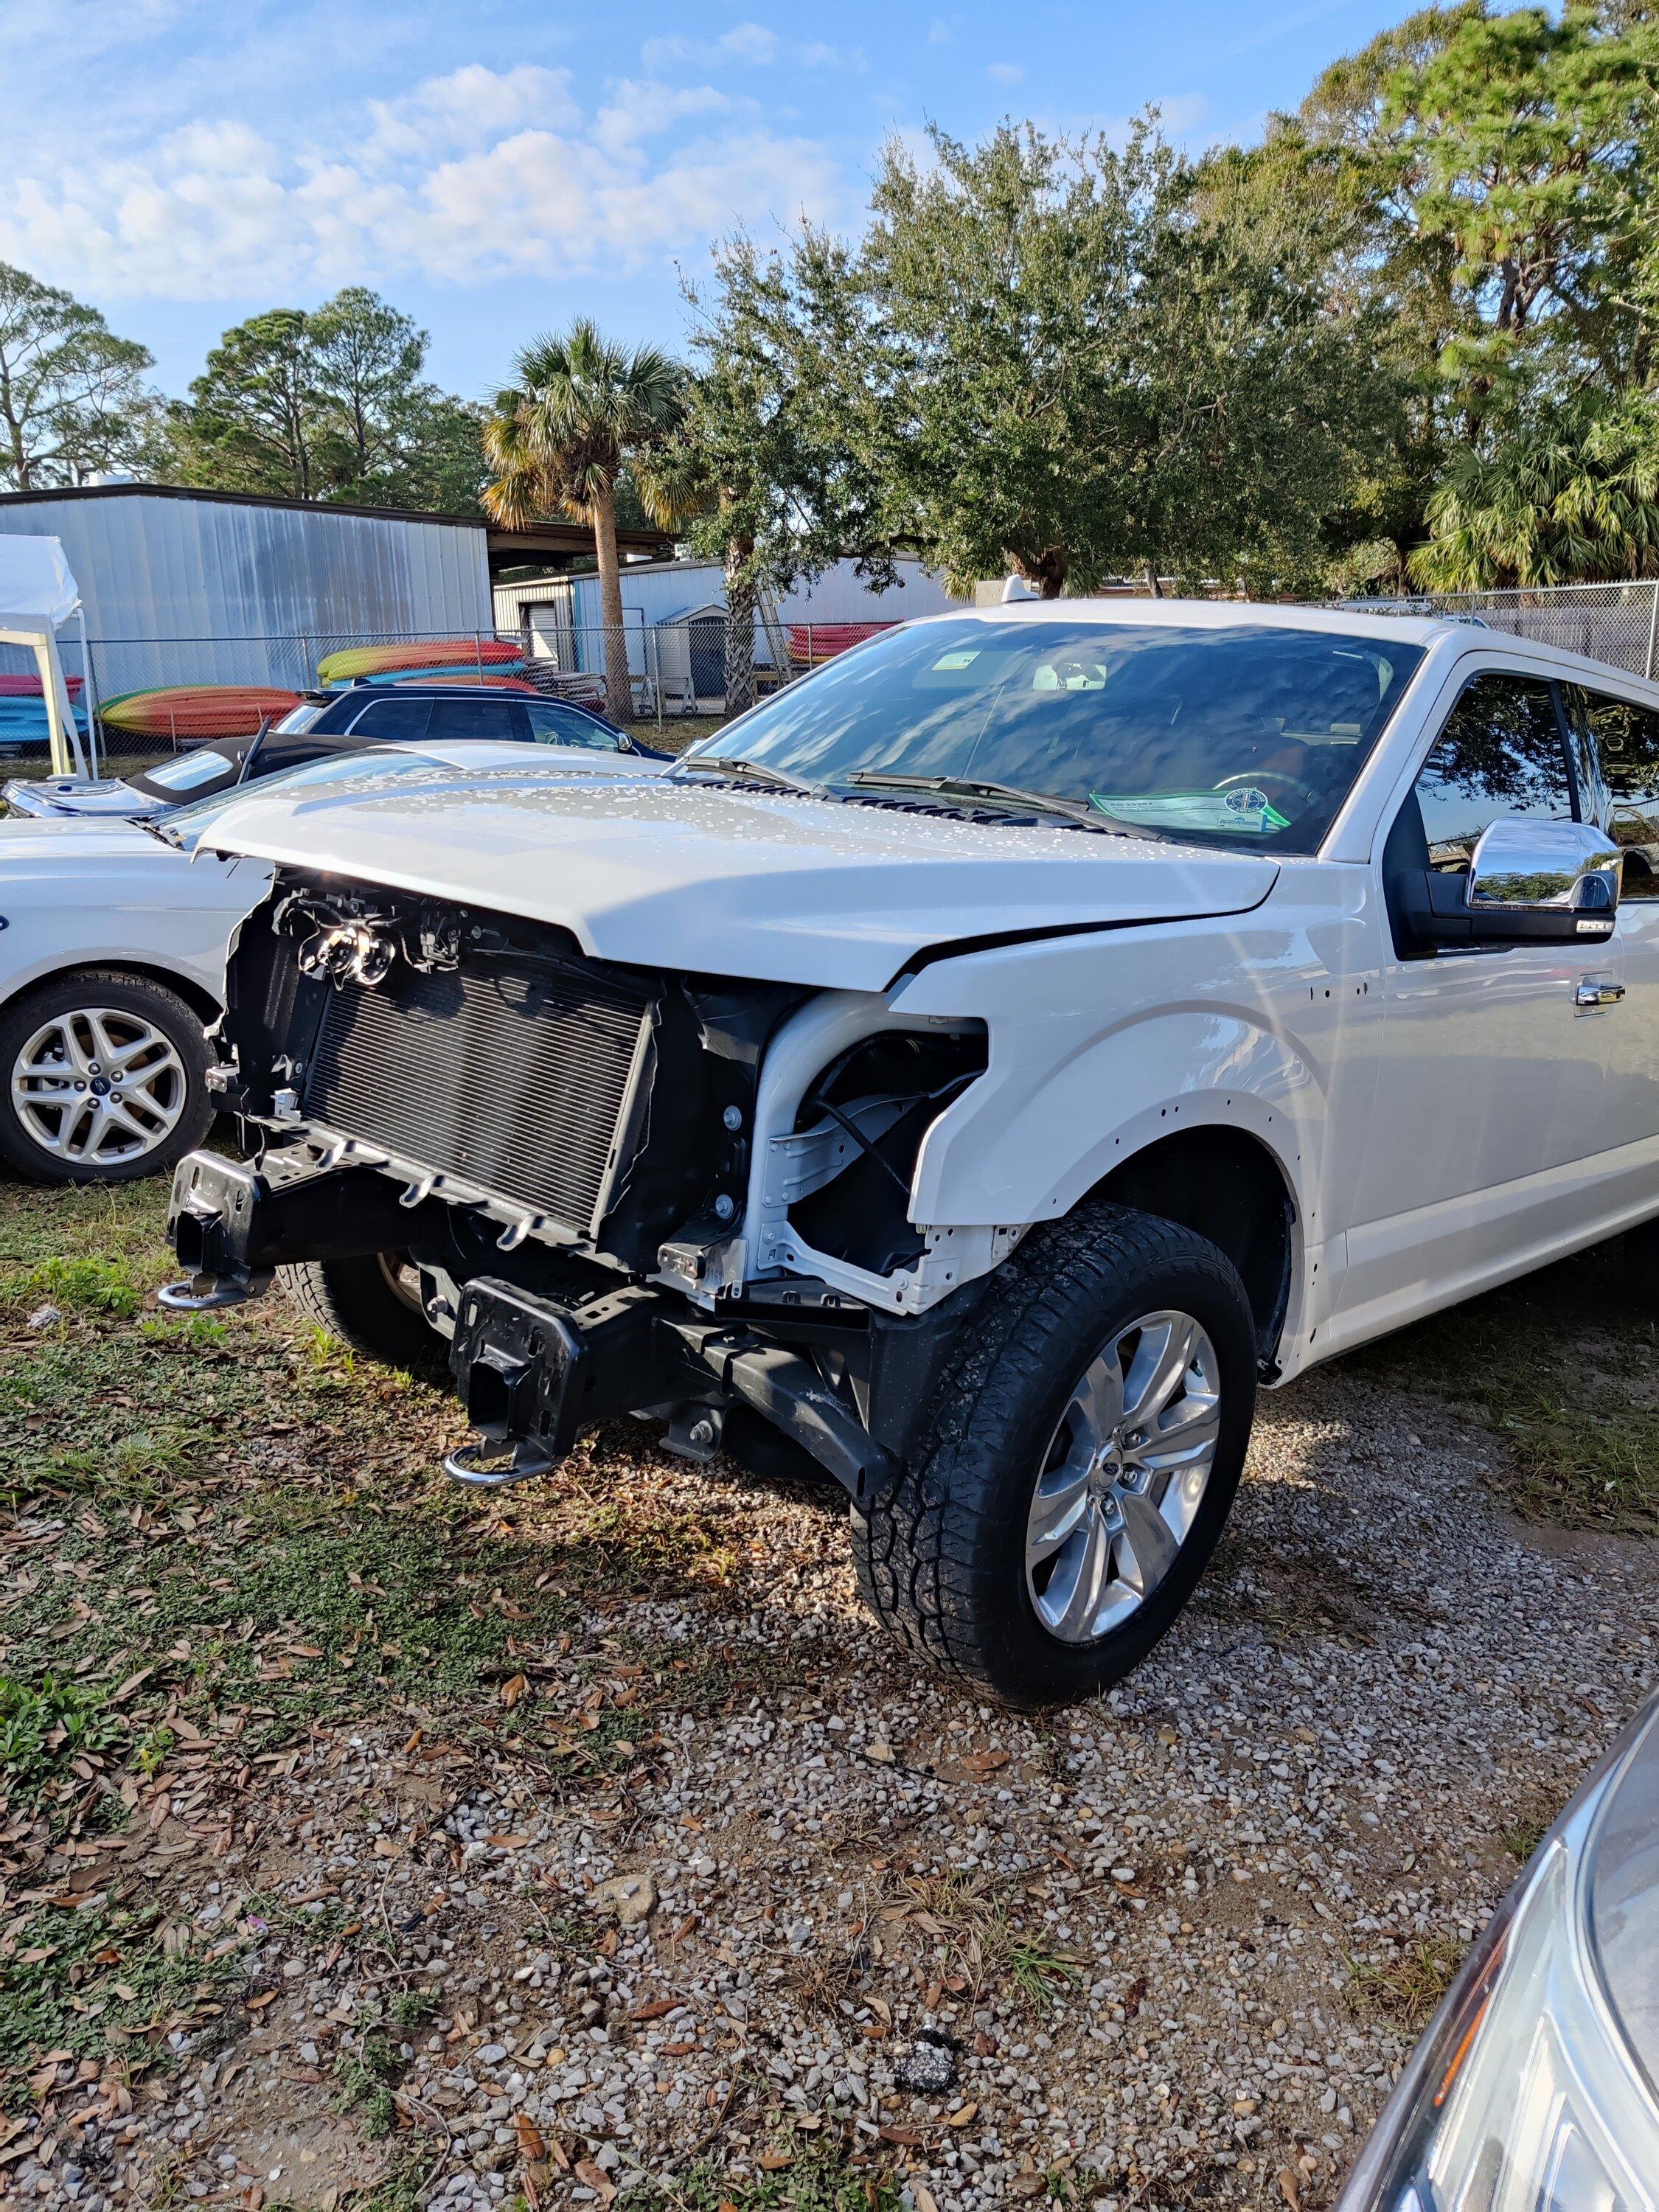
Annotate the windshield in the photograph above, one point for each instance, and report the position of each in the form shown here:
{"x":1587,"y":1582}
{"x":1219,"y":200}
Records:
{"x":185,"y":772}
{"x":300,"y":717}
{"x":1247,"y":736}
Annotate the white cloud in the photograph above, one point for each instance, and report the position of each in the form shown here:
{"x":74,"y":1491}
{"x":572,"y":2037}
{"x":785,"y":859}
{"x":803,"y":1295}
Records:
{"x":1005,"y":72}
{"x":744,"y":42}
{"x":472,"y":104}
{"x":749,"y":45}
{"x":475,"y":173}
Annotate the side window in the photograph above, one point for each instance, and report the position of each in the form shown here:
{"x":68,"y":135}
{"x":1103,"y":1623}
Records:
{"x":1501,"y":752}
{"x":553,"y":725}
{"x":1627,"y":742}
{"x":386,"y":718}
{"x":476,"y":717}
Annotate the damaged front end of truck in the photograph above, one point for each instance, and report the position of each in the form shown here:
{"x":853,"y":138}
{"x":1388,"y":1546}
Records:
{"x":613,"y":1189}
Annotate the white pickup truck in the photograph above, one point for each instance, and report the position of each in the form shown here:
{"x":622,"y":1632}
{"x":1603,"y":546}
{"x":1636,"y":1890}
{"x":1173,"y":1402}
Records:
{"x":970,"y":1073}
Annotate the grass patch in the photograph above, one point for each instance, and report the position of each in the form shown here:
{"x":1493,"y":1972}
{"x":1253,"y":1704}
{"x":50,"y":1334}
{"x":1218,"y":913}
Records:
{"x":1523,"y":1838}
{"x":1563,"y":1367}
{"x":820,"y":2175}
{"x":87,"y":1284}
{"x":43,"y":1729}
{"x":1406,"y":1990}
{"x":78,"y":1980}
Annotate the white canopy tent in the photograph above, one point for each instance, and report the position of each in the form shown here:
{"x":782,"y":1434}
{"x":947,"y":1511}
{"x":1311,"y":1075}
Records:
{"x":38,"y":594}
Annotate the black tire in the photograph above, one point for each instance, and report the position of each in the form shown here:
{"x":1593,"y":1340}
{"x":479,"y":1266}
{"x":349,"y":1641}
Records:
{"x":359,"y":1302}
{"x":1642,"y":1264}
{"x":941,"y":1554}
{"x":134,"y":1001}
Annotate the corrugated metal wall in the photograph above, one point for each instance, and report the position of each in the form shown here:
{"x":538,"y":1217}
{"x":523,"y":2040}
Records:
{"x":205,"y":591}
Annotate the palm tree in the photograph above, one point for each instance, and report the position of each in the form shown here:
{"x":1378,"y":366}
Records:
{"x":581,"y":410}
{"x":1574,"y":501}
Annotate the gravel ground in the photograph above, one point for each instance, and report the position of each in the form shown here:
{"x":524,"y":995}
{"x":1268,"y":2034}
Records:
{"x":840,"y":1932}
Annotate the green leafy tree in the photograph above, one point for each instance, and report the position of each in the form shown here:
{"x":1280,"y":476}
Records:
{"x":1506,"y":160}
{"x":72,"y":396}
{"x":329,"y":404}
{"x":761,"y":468}
{"x":582,"y":411}
{"x":392,"y":439}
{"x":998,"y":307}
{"x":1073,"y":361}
{"x":253,"y":422}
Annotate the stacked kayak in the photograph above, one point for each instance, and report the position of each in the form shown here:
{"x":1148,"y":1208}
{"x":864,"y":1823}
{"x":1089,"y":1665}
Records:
{"x":23,"y":711}
{"x":185,"y":713}
{"x":459,"y":659}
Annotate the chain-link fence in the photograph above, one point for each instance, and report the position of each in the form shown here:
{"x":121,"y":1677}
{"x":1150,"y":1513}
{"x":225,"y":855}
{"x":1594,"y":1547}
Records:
{"x":1615,"y":623}
{"x":147,"y":697}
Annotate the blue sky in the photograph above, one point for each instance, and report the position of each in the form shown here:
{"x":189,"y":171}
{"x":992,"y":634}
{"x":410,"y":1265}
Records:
{"x":495,"y":168}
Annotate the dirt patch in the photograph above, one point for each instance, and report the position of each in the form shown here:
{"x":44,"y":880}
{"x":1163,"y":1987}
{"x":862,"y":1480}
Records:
{"x":320,"y":1778}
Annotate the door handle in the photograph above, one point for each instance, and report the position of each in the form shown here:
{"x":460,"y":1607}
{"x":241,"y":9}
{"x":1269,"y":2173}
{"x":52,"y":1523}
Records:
{"x":1591,"y":993}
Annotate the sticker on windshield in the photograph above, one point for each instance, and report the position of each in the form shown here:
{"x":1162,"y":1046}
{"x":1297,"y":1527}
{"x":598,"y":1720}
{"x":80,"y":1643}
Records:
{"x":1244,"y":808}
{"x":958,"y":659}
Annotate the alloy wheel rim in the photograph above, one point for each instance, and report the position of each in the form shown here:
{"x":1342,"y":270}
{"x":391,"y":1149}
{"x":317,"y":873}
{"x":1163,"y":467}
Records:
{"x":98,"y":1086}
{"x":1123,"y":1476}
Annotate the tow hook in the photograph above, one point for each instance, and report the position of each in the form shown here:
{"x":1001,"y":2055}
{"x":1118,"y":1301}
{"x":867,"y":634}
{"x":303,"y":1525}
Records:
{"x":207,"y":1293}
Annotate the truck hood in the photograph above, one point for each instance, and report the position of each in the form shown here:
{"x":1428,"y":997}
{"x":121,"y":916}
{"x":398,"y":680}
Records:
{"x":727,"y":881}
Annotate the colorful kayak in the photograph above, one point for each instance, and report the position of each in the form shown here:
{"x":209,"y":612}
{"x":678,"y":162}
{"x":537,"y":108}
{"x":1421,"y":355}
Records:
{"x":489,"y":683}
{"x":186,"y":713}
{"x":23,"y":711}
{"x":428,"y":657}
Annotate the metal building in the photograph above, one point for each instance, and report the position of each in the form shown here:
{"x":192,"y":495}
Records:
{"x":673,"y":615}
{"x":188,"y":587}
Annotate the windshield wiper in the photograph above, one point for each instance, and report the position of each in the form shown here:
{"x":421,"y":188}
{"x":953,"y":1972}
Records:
{"x":718,"y":765}
{"x":158,"y":829}
{"x":974,"y":787}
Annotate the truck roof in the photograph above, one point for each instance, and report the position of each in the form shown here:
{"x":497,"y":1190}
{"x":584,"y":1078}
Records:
{"x":1417,"y":629}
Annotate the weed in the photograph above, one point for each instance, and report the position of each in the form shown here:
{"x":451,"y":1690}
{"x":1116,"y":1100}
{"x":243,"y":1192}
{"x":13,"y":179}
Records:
{"x":42,"y":1730}
{"x":969,"y":1920}
{"x":367,"y":2078}
{"x":820,"y":2176}
{"x":149,"y":1755}
{"x":1406,"y":1988}
{"x":1523,"y":1838}
{"x":89,"y":1283}
{"x":366,"y":2081}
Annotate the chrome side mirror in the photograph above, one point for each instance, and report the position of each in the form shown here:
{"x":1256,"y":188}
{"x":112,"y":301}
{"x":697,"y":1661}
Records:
{"x":1523,"y":866}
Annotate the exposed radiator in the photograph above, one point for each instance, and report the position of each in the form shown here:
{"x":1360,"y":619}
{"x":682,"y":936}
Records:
{"x":517,"y":1080}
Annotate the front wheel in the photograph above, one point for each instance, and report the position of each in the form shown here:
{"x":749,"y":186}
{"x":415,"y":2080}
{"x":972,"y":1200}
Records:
{"x":1083,"y":1459}
{"x":103,"y":1079}
{"x":371,"y":1304}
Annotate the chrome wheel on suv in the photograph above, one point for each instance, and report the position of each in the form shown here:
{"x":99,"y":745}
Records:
{"x":1124,"y":1476}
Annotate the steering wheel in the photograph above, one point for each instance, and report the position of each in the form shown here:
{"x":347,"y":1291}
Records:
{"x":1073,"y":666}
{"x":1305,"y":792}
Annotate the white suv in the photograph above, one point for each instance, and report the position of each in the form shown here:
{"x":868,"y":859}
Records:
{"x":970,"y":1073}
